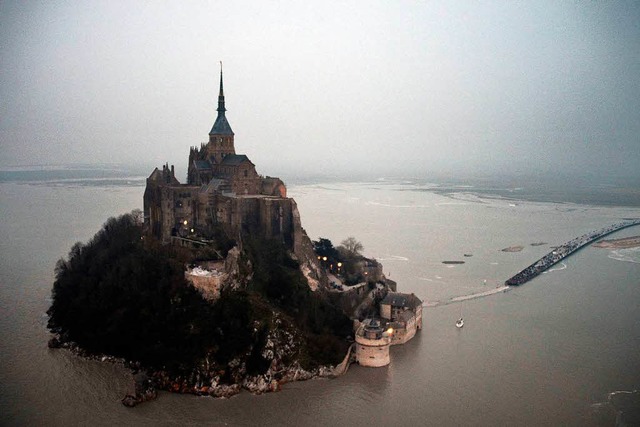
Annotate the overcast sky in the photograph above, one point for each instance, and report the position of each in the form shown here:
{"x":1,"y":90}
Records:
{"x":327,"y":86}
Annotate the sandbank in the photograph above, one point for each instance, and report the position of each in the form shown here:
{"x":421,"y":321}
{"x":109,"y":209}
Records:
{"x":624,"y":243}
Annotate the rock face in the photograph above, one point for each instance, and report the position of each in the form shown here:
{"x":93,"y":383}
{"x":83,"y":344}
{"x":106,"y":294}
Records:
{"x":296,"y":240}
{"x":282,"y":347}
{"x":304,"y":254}
{"x":280,"y":351}
{"x":145,"y":390}
{"x":271,"y":381}
{"x":207,"y":282}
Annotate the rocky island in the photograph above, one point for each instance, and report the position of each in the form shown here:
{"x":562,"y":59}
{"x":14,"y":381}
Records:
{"x":215,"y":286}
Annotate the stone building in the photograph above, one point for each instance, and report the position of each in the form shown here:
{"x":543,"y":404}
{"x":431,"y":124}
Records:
{"x":372,"y":344}
{"x":400,"y":318}
{"x":223,"y":189}
{"x":403,"y":313}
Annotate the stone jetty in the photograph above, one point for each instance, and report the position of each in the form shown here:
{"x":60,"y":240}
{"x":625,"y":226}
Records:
{"x":563,"y":251}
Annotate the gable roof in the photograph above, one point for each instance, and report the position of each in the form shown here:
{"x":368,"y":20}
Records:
{"x":235,"y":159}
{"x":396,"y":299}
{"x":163,"y":177}
{"x":202,"y":164}
{"x":156,"y":175}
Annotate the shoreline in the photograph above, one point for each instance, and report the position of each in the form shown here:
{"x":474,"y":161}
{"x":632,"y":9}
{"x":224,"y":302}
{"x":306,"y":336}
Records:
{"x":147,"y":382}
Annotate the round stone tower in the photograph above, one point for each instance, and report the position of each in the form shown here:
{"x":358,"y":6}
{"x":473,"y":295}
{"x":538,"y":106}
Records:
{"x":372,"y":344}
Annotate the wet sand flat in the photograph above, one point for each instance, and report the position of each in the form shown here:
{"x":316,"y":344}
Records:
{"x":624,"y":243}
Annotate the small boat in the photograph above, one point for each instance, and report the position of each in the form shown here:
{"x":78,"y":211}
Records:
{"x":459,"y":323}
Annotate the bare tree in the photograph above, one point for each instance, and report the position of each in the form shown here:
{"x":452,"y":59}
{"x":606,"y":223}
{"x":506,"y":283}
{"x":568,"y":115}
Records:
{"x":352,"y":245}
{"x":138,"y":216}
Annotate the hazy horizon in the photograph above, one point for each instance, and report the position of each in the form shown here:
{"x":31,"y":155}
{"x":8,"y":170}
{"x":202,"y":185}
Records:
{"x":530,"y":89}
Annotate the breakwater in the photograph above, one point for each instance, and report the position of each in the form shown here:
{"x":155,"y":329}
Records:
{"x":563,"y":251}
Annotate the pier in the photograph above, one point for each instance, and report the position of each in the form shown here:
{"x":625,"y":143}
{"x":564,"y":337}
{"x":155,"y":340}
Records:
{"x":563,"y":251}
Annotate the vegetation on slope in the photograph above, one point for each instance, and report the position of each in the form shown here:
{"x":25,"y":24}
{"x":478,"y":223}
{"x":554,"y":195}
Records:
{"x":277,"y":276}
{"x":345,"y":260}
{"x":124,"y":294}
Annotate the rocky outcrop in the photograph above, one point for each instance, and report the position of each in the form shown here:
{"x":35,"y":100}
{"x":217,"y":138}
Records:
{"x":62,"y":341}
{"x":281,"y":348}
{"x":304,"y":254}
{"x":145,"y":390}
{"x":237,"y":272}
{"x":271,"y":381}
{"x":280,"y":351}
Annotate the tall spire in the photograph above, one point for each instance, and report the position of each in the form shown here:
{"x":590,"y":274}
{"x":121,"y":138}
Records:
{"x":221,"y":125}
{"x":221,"y":94}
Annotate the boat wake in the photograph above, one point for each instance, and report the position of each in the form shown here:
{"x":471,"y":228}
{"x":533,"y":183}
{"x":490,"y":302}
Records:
{"x":451,"y":204}
{"x":426,"y":279}
{"x":564,"y":267}
{"x":387,"y":205}
{"x":627,"y":255}
{"x":624,"y":404}
{"x":394,"y":258}
{"x":454,"y":300}
{"x":481,"y":294}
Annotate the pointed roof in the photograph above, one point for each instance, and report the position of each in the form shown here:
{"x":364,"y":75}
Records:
{"x":163,"y":176}
{"x":156,"y":175}
{"x":221,"y":125}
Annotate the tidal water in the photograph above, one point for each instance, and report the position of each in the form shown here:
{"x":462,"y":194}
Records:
{"x":564,"y":349}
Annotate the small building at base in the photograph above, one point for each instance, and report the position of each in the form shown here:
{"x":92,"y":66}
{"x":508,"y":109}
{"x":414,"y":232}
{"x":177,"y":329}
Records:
{"x":400,"y":318}
{"x":403,"y":313}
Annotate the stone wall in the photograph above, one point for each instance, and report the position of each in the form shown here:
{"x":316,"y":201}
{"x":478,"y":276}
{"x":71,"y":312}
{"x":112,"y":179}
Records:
{"x":272,"y":217}
{"x":385,"y":311}
{"x":372,"y":352}
{"x":402,"y":334}
{"x":208,"y":286}
{"x":343,"y":366}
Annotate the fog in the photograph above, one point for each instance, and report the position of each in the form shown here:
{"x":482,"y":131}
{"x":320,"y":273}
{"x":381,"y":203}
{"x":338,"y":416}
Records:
{"x":404,"y":88}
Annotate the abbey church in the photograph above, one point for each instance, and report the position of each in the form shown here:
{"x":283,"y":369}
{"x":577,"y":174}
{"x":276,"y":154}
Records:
{"x":223,"y":190}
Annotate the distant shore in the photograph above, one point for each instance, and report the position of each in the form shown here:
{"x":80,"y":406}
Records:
{"x":624,"y":243}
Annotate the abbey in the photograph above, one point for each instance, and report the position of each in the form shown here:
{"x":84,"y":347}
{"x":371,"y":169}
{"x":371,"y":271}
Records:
{"x":223,"y":190}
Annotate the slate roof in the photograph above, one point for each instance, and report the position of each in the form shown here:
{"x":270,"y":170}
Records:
{"x":396,"y":299}
{"x":235,"y":159}
{"x":221,"y":126}
{"x":202,"y":164}
{"x":215,"y":184}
